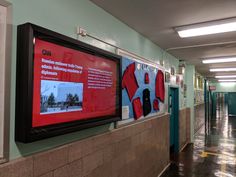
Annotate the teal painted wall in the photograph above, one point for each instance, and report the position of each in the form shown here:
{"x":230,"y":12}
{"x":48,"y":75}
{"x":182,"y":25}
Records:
{"x":64,"y":16}
{"x":224,"y":87}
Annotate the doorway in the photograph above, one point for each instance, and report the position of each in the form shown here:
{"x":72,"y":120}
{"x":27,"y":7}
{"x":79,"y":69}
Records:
{"x":231,"y":102}
{"x":173,"y":109}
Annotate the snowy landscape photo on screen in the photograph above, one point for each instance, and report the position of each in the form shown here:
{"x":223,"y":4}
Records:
{"x":59,"y":97}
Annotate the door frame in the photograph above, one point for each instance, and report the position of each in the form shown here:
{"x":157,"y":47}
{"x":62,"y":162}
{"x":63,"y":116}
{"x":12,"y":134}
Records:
{"x":206,"y":106}
{"x":176,"y":116}
{"x":6,"y":87}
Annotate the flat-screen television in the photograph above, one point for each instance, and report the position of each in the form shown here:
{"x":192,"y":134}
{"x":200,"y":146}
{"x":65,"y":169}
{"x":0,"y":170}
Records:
{"x":63,"y":85}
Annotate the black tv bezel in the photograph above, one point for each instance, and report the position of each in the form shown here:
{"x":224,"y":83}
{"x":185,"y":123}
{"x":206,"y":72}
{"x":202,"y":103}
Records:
{"x":24,"y":132}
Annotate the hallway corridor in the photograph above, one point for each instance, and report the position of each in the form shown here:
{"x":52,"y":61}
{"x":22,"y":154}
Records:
{"x":212,"y":154}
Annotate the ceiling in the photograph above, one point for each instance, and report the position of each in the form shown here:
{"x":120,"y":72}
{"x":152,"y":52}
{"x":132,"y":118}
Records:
{"x":156,"y":19}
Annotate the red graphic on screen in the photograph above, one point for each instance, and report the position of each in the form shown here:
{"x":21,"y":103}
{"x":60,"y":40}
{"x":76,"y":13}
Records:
{"x":71,"y":85}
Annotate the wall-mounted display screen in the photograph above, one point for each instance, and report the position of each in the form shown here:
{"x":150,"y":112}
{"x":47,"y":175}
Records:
{"x":71,"y":85}
{"x":63,"y":85}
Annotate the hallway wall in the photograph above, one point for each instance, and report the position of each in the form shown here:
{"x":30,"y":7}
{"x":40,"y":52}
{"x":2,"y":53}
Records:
{"x":184,"y":127}
{"x":190,"y":74}
{"x":140,"y":150}
{"x":221,"y":88}
{"x":199,"y":112}
{"x":224,"y":87}
{"x":63,"y":17}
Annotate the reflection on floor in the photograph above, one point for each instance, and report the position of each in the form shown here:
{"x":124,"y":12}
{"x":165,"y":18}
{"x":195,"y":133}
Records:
{"x":210,"y":155}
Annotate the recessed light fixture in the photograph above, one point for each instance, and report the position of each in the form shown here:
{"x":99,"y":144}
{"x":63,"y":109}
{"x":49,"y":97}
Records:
{"x":227,"y":80}
{"x":222,"y":69}
{"x":219,"y":60}
{"x":207,"y":28}
{"x":227,"y":76}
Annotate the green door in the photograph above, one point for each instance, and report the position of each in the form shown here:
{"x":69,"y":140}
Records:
{"x":214,"y":95}
{"x":231,"y":104}
{"x":226,"y":98}
{"x":174,"y":119}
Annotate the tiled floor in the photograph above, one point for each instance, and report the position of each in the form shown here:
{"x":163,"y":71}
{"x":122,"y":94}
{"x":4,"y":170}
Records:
{"x":210,"y":155}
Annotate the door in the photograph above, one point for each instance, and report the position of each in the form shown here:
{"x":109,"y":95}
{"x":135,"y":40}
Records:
{"x":206,"y":102}
{"x":231,"y":98}
{"x":226,"y":99}
{"x":174,"y":119}
{"x":214,"y":102}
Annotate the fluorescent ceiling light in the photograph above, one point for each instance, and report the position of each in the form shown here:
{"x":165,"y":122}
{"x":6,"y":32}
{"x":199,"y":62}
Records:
{"x":222,"y":77}
{"x":219,"y":60}
{"x":207,"y":28}
{"x":222,"y":69}
{"x":227,"y":80}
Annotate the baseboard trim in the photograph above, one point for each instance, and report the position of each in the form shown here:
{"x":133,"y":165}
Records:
{"x":2,"y":160}
{"x":183,"y":147}
{"x":164,"y":169}
{"x":198,"y":130}
{"x":170,"y":162}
